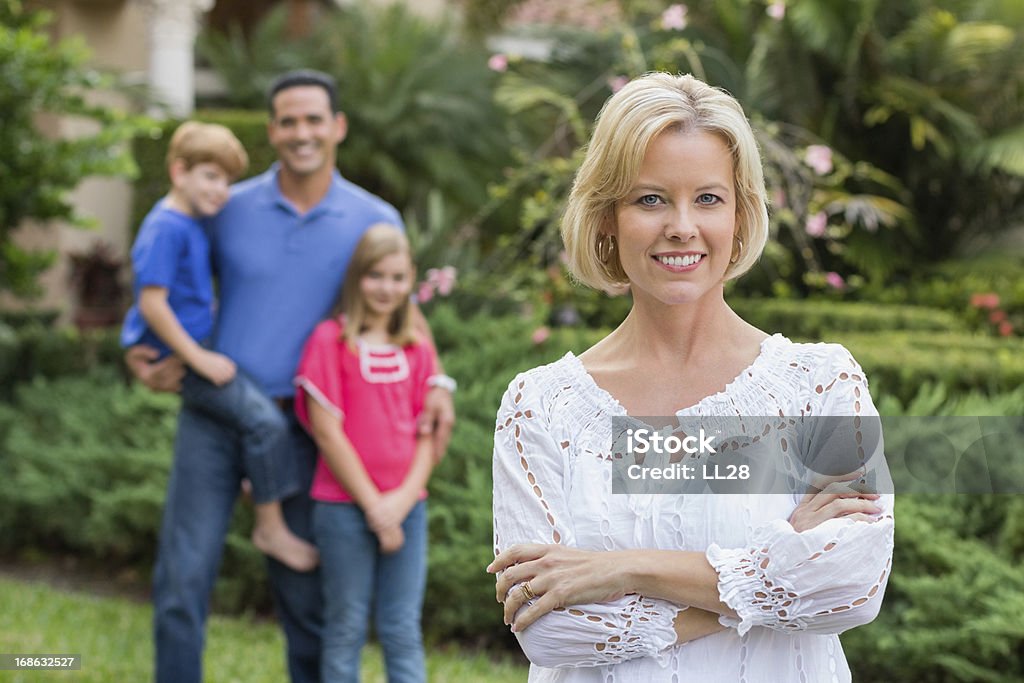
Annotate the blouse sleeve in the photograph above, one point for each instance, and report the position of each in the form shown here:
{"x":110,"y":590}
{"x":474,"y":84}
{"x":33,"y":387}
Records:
{"x":530,"y":482}
{"x":319,"y":373}
{"x":826,"y":579}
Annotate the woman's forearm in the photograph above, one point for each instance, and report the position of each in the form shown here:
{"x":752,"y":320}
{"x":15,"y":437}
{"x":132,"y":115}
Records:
{"x":680,"y":577}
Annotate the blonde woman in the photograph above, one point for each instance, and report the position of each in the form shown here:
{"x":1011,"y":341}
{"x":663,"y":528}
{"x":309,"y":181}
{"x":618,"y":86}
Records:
{"x":597,"y":586}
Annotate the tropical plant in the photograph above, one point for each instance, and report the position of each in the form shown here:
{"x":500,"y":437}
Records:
{"x":42,"y":82}
{"x":418,"y":98}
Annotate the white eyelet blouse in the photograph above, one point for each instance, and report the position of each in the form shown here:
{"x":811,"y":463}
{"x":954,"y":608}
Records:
{"x":793,"y":592}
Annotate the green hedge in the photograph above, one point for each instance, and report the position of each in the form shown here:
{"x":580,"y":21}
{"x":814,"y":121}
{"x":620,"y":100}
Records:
{"x":814,"y":319}
{"x":34,"y":350}
{"x":899,"y":363}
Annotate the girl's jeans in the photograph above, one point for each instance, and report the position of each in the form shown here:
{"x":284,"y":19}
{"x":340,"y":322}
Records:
{"x":357,"y":580}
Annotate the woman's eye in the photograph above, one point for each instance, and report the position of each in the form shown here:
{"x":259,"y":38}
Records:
{"x":707,"y":198}
{"x":649,"y":200}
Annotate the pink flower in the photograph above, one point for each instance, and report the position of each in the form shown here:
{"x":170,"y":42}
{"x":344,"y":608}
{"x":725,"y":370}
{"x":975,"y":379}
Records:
{"x":674,"y":18}
{"x":819,"y":157}
{"x":776,"y":10}
{"x":997,"y":316}
{"x":425,"y":293}
{"x":540,"y":335}
{"x":835,"y":280}
{"x":617,"y":83}
{"x":443,"y":280}
{"x":498,"y":62}
{"x":816,"y":224}
{"x":778,"y":199}
{"x":1005,"y":328}
{"x":985,"y":300}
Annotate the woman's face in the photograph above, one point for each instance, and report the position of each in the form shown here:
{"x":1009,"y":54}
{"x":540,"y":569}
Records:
{"x":675,"y":226}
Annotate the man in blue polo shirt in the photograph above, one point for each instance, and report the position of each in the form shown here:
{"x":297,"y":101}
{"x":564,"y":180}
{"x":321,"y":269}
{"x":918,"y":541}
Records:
{"x":280,"y":249}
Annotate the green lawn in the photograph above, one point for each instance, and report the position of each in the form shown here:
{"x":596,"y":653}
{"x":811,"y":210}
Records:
{"x":113,"y":636}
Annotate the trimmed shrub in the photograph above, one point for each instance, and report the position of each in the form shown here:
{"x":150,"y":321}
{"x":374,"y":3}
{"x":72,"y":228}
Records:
{"x":818,"y":319}
{"x":35,"y":351}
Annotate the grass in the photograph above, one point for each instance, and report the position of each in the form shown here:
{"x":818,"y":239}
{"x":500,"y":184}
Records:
{"x":113,"y":636}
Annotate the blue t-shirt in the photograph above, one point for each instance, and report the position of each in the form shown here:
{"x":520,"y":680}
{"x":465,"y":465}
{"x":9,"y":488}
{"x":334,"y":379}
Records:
{"x":173,"y":252}
{"x":280,"y":271}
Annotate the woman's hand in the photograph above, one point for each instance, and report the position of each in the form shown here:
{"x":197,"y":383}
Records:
{"x":556,"y":576}
{"x":833,"y":500}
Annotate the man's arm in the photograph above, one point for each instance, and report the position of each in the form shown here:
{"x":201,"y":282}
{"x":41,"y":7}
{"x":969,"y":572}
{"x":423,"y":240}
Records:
{"x":438,"y":416}
{"x":158,"y":314}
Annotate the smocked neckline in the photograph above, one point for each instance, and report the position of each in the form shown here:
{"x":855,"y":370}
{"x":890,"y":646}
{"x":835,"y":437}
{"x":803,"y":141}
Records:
{"x":768,"y":347}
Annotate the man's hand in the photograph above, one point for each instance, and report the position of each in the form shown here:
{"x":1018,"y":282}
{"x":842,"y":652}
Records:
{"x":164,"y":375}
{"x":437,"y":419}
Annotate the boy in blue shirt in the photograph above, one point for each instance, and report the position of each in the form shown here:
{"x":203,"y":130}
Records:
{"x":173,"y":312}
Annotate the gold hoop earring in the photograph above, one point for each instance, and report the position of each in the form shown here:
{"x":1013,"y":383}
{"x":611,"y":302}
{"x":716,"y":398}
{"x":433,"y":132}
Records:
{"x":739,"y":249}
{"x":605,"y":248}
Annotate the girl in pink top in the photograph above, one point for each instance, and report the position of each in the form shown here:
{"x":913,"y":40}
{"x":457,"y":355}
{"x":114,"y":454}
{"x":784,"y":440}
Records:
{"x":361,"y":385}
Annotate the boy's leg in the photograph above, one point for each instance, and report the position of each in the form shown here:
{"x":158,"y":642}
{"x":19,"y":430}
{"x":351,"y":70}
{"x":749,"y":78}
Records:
{"x":297,"y":595}
{"x":349,"y":556}
{"x":401,"y":580}
{"x":242,"y":406}
{"x":200,"y":496}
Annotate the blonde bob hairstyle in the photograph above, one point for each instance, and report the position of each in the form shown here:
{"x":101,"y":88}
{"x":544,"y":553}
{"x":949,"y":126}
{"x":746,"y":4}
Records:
{"x":627,"y":124}
{"x":379,"y":240}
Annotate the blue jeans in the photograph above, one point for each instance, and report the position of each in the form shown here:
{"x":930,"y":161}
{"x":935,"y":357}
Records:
{"x":262,"y":427}
{"x":204,"y":483}
{"x":357,"y":578}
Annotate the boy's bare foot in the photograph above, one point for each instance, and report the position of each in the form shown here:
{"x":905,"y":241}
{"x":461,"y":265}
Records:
{"x":286,"y":547}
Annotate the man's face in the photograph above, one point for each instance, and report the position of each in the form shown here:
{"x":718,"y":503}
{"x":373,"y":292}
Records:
{"x":304,"y":132}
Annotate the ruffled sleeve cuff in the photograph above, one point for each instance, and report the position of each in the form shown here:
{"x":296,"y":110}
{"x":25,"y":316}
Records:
{"x":737,"y":581}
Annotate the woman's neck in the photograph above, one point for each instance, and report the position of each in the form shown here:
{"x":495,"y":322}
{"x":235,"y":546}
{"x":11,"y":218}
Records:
{"x":654,"y":330}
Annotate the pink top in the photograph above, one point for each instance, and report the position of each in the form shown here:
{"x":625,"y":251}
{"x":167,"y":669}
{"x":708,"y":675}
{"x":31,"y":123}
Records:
{"x":377,"y":392}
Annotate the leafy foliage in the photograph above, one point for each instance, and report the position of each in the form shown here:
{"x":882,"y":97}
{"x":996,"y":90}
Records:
{"x":42,"y":82}
{"x":423,"y":128}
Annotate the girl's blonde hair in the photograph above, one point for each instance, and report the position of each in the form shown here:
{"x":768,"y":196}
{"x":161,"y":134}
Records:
{"x":627,"y":124}
{"x":379,"y":240}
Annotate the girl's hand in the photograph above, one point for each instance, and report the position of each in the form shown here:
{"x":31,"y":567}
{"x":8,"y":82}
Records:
{"x":391,"y":539}
{"x":390,"y":510}
{"x":834,"y":499}
{"x":556,"y":576}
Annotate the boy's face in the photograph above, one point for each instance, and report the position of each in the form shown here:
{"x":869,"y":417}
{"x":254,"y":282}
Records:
{"x":202,"y":189}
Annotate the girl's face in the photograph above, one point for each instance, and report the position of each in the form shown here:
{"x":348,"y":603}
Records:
{"x":387,"y":284}
{"x":675,"y":226}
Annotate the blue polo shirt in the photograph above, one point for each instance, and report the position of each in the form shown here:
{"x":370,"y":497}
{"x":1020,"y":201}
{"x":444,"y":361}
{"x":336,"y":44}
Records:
{"x":171,"y":251}
{"x":280,"y":271}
